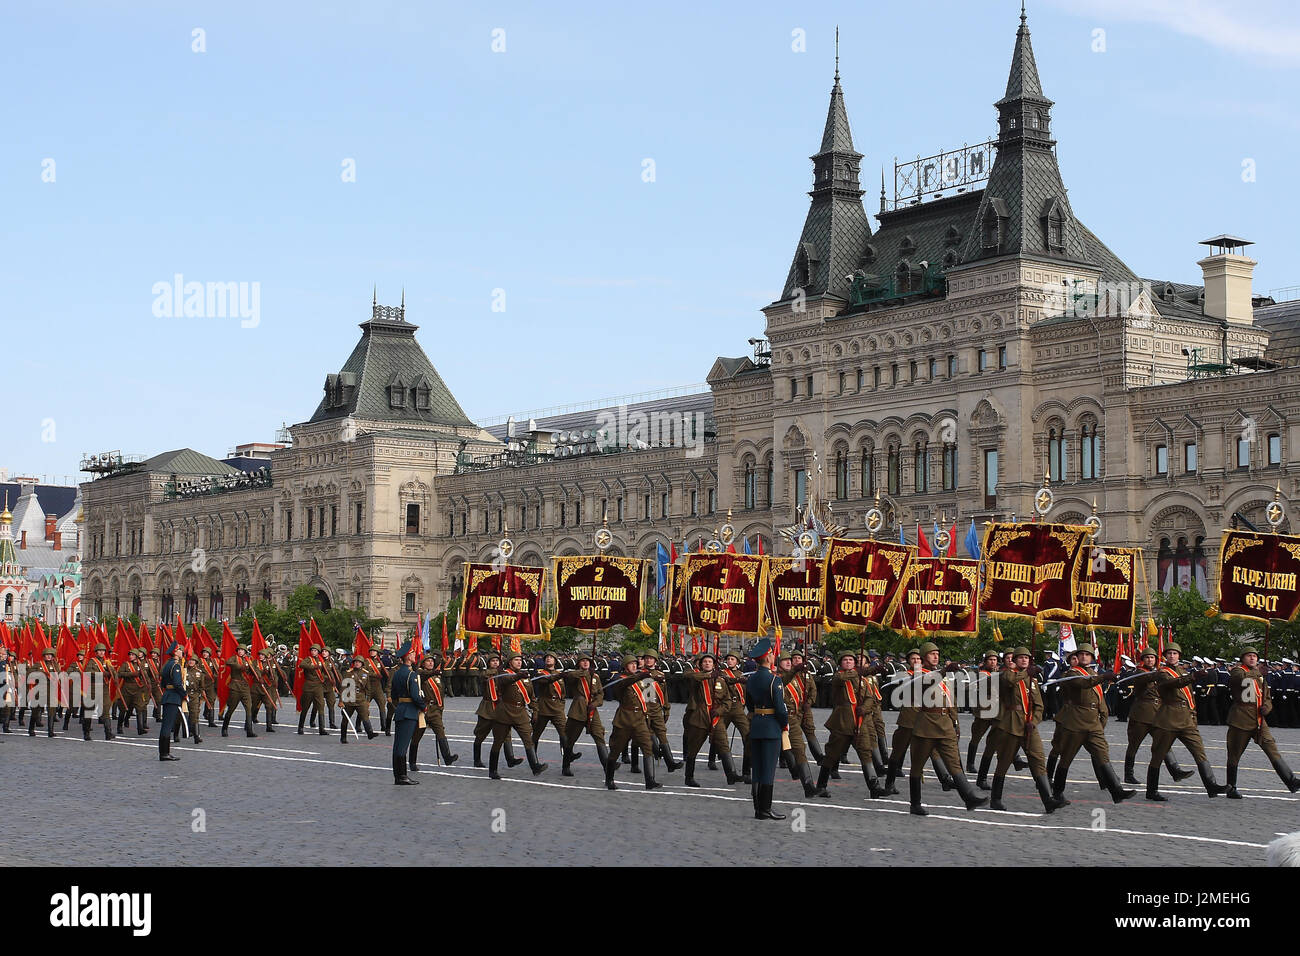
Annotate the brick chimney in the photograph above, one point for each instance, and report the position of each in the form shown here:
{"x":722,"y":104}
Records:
{"x":58,"y":541}
{"x":49,"y":527}
{"x":23,"y":544}
{"x":1227,"y":272}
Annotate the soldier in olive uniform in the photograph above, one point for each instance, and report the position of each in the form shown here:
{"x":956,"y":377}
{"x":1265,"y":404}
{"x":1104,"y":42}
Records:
{"x":133,"y":680}
{"x":44,"y":672}
{"x":1252,"y":701}
{"x":632,"y":689}
{"x":100,"y":670}
{"x":983,"y":722}
{"x":1081,"y":721}
{"x":587,"y":694}
{"x":548,"y":706}
{"x":849,"y":724}
{"x":209,"y":667}
{"x":1145,"y":701}
{"x":1020,"y":712}
{"x":331,"y":681}
{"x":238,"y":691}
{"x":703,"y":718}
{"x":659,"y":708}
{"x":264,"y":686}
{"x":902,"y":742}
{"x":313,"y":689}
{"x":409,"y":703}
{"x":796,"y":757}
{"x":194,"y":694}
{"x":808,"y":694}
{"x":1176,"y":720}
{"x":735,"y":713}
{"x":355,"y":697}
{"x":431,"y":685}
{"x":378,"y":691}
{"x":486,"y":711}
{"x":935,"y":729}
{"x":512,"y":693}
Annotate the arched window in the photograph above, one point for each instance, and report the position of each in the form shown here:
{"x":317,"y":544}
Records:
{"x":841,"y":474}
{"x":894,"y":470}
{"x":771,"y":480}
{"x":1056,"y":454}
{"x":1089,"y":451}
{"x":950,"y":466}
{"x":751,"y":485}
{"x":920,"y":469}
{"x":868,"y":477}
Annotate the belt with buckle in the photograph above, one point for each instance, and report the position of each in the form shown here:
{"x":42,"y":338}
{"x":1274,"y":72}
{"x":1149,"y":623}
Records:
{"x":764,"y":711}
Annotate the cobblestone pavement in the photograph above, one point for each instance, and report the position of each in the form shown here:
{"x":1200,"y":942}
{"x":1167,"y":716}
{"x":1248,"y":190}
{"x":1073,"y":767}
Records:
{"x":286,"y":799}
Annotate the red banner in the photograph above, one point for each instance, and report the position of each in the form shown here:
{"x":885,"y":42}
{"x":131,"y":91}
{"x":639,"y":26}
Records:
{"x":725,"y":593}
{"x":795,"y":589}
{"x":862,"y":580}
{"x":940,"y":596}
{"x":595,"y":592}
{"x":1108,"y":587}
{"x":673,"y":597}
{"x":1258,"y":576}
{"x":505,"y":600}
{"x":1032,"y":570}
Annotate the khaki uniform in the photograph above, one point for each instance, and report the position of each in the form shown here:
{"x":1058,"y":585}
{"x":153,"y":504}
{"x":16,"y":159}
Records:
{"x":238,"y":692}
{"x":587,"y":694}
{"x":1016,"y":727}
{"x":703,"y":718}
{"x":1176,"y":717}
{"x":135,"y":694}
{"x":548,"y":707}
{"x":1252,"y":701}
{"x":313,"y":691}
{"x":935,"y":726}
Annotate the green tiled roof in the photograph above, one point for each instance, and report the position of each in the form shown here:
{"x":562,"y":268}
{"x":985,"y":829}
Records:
{"x":186,"y":461}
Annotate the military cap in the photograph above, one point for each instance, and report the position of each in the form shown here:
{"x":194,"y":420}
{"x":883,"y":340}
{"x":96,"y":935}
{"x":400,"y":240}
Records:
{"x":990,"y":653}
{"x":48,"y":652}
{"x":927,"y":647}
{"x":584,"y":656}
{"x":649,"y":652}
{"x":1247,"y":650}
{"x":785,"y":656}
{"x":1148,"y":651}
{"x":700,"y":660}
{"x":1021,"y":652}
{"x":1086,"y":649}
{"x":761,"y":648}
{"x":407,"y":648}
{"x":913,"y":650}
{"x":1171,"y":646}
{"x":101,"y":646}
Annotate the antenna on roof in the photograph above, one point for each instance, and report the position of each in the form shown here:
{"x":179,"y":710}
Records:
{"x":374,"y":297}
{"x":837,"y":53}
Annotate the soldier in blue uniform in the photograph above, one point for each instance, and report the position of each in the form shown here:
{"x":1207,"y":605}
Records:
{"x":171,"y":681}
{"x":409,"y":704}
{"x":769,"y":719}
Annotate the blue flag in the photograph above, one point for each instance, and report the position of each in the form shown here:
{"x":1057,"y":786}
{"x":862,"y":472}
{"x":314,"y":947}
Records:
{"x":973,"y":541}
{"x":744,"y":546}
{"x":661,"y":568}
{"x":901,"y":540}
{"x":428,"y":623}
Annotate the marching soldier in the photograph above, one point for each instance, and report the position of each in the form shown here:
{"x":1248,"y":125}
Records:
{"x":194,"y":695}
{"x":658,"y":709}
{"x":902,"y":742}
{"x":770,"y":718}
{"x":632,"y":689}
{"x":872,"y":700}
{"x":265,"y":687}
{"x":332,"y":681}
{"x":134,"y":690}
{"x":703,"y":718}
{"x":1176,"y":720}
{"x":409,"y":708}
{"x":808,"y":694}
{"x":1020,"y":712}
{"x":1080,"y":721}
{"x":735,"y":713}
{"x":849,"y":725}
{"x":1141,"y":718}
{"x":935,"y":730}
{"x":209,"y":668}
{"x":313,"y":689}
{"x":431,"y":686}
{"x":983,"y":722}
{"x":171,"y":681}
{"x":512,"y":697}
{"x":99,"y":668}
{"x":486,"y":712}
{"x":378,"y":694}
{"x":1252,"y":701}
{"x":7,"y":694}
{"x":796,"y":757}
{"x":548,"y":707}
{"x":239,"y":691}
{"x":587,"y":694}
{"x":355,"y":697}
{"x":45,"y":671}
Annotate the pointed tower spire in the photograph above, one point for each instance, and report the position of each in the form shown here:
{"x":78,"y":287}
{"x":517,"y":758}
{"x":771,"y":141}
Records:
{"x":882,"y":188}
{"x":1023,"y":78}
{"x":836,"y":229}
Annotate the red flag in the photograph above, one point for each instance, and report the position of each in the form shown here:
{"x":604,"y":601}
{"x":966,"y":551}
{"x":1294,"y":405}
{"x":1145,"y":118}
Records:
{"x":922,"y":545}
{"x":1119,"y":651}
{"x":361,"y":645}
{"x":952,"y":540}
{"x":496,"y":643}
{"x":304,"y":651}
{"x":121,"y":648}
{"x":258,"y":642}
{"x":315,"y":633}
{"x":180,"y":630}
{"x":672,"y":552}
{"x":229,"y":646}
{"x":5,"y":637}
{"x":66,"y":649}
{"x":731,"y":549}
{"x":444,"y":634}
{"x":1160,"y":651}
{"x":760,"y":545}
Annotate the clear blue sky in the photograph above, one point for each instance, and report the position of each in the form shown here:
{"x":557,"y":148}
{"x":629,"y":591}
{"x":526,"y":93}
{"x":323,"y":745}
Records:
{"x":522,"y":171}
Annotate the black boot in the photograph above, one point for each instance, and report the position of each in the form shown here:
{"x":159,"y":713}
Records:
{"x":537,"y":767}
{"x":1129,"y":775}
{"x":602,"y":754}
{"x":85,"y":729}
{"x":478,"y":754}
{"x":1058,"y":786}
{"x":914,"y":790}
{"x":31,"y":724}
{"x":972,"y":750}
{"x":873,"y":785}
{"x":636,"y":759}
{"x":1175,"y":771}
{"x":1110,"y":782}
{"x":302,"y":722}
{"x":765,"y":792}
{"x":985,"y":762}
{"x":729,"y":766}
{"x":108,"y":730}
{"x":1286,"y":774}
{"x":788,"y":761}
{"x":494,"y":764}
{"x":565,"y":762}
{"x":1019,"y":764}
{"x":1050,"y":803}
{"x":690,"y":773}
{"x":399,"y":773}
{"x":270,"y":721}
{"x":1153,"y":785}
{"x":995,"y":801}
{"x":823,"y":778}
{"x":248,"y":728}
{"x":671,"y":763}
{"x":1233,"y":794}
{"x":713,"y":758}
{"x":745,"y":776}
{"x":1052,"y":758}
{"x":648,"y":773}
{"x":140,"y":727}
{"x":756,"y":794}
{"x":165,"y":749}
{"x":968,"y":793}
{"x":444,"y":748}
{"x":225,"y":726}
{"x":1212,"y":787}
{"x":343,"y":731}
{"x":611,"y":765}
{"x":411,"y":756}
{"x":809,"y":788}
{"x":333,"y":726}
{"x":511,"y":759}
{"x":370,"y":731}
{"x":940,"y":771}
{"x":891,"y":780}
